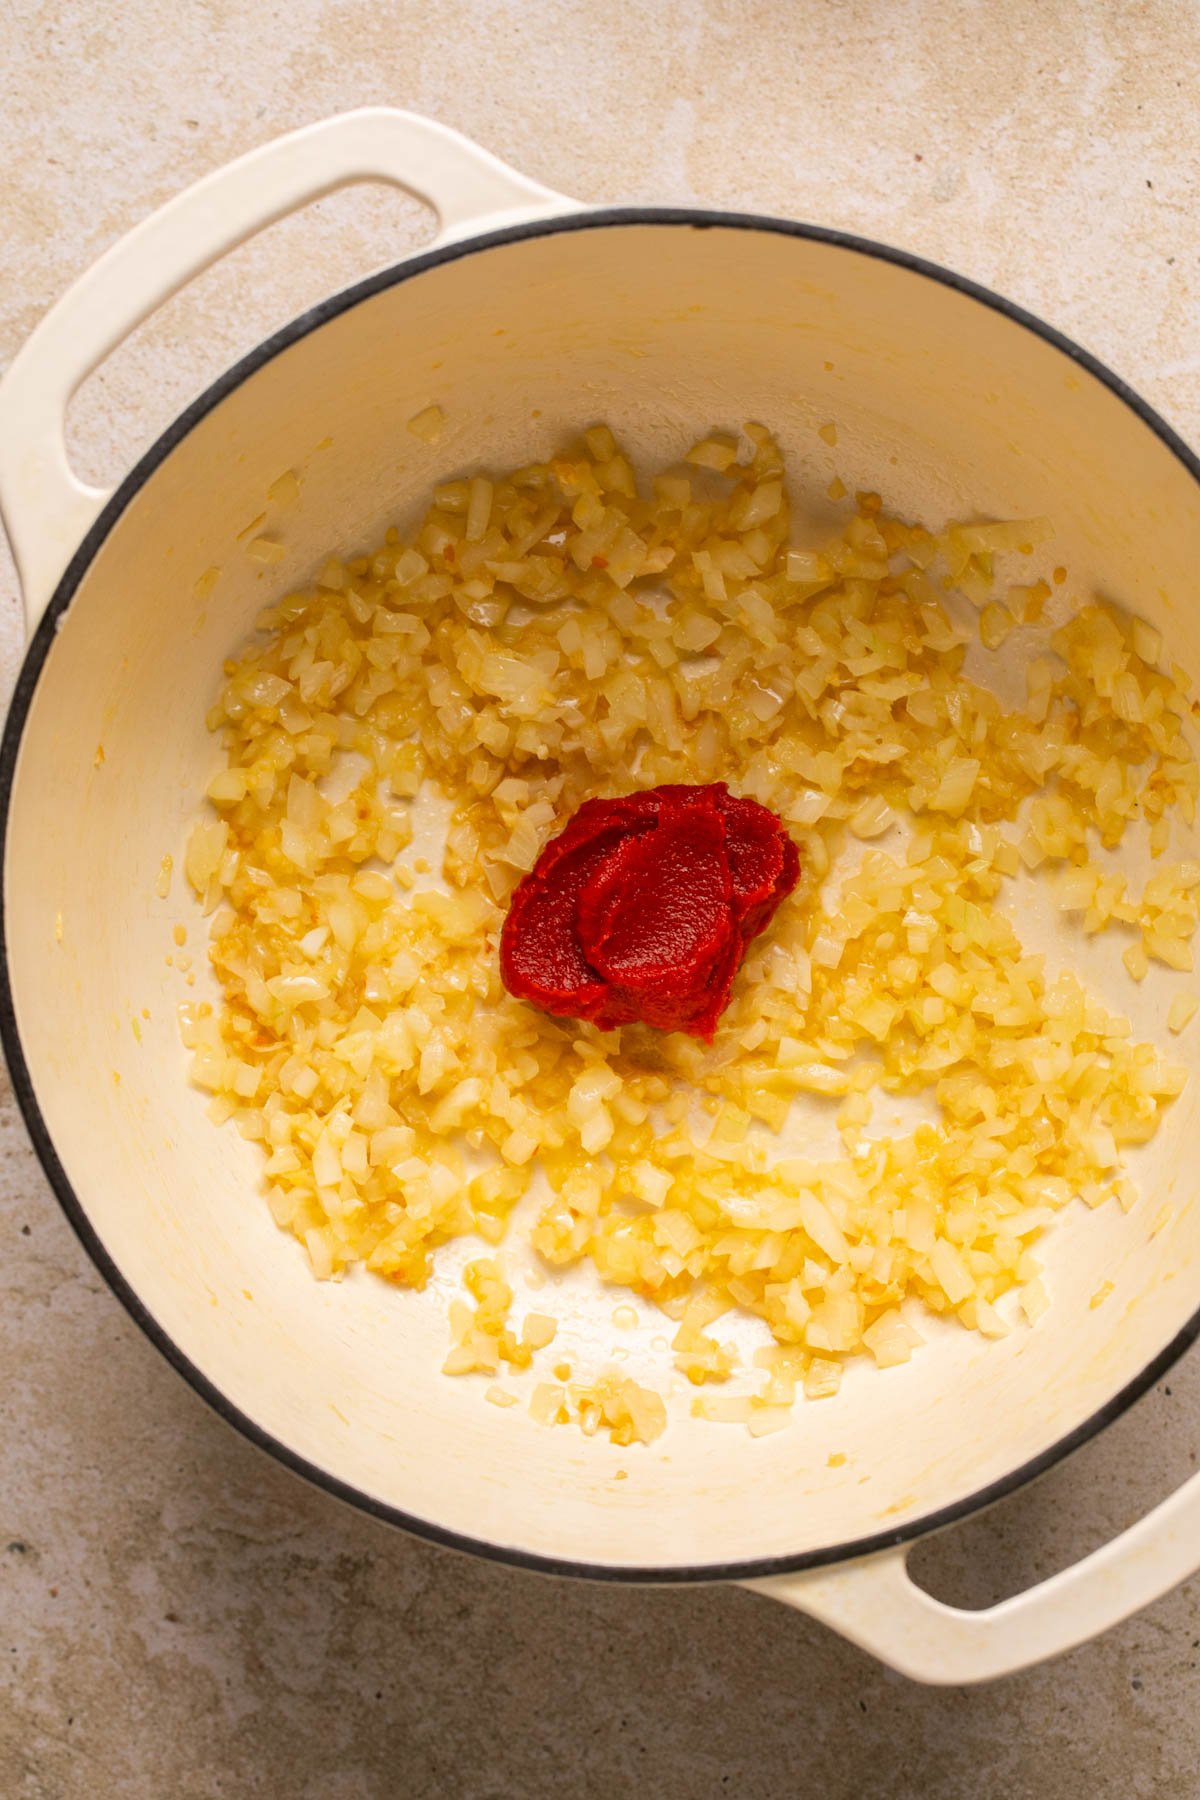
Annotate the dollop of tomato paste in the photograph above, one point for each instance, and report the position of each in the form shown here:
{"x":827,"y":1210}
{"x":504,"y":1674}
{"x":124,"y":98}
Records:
{"x":641,"y":909}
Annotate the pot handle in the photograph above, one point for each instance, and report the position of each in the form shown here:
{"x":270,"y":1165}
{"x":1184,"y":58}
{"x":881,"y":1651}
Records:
{"x":880,"y":1608}
{"x":45,"y":507}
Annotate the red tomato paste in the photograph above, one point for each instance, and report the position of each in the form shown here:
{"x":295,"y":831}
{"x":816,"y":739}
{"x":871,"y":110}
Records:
{"x":642,"y":908}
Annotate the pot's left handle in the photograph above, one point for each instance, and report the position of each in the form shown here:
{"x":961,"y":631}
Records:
{"x":45,"y":507}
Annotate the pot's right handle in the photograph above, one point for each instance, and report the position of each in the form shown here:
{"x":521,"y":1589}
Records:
{"x":877,"y":1606}
{"x":45,"y":507}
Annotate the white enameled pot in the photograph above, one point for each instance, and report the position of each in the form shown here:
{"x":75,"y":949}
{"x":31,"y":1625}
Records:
{"x":528,"y":318}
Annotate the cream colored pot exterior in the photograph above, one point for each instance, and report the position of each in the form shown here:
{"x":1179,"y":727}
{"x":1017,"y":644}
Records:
{"x":660,"y":324}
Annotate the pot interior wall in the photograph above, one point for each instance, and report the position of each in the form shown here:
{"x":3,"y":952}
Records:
{"x":944,"y":405}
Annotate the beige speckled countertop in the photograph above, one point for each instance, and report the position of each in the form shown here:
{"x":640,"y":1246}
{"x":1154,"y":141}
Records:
{"x":180,"y":1618}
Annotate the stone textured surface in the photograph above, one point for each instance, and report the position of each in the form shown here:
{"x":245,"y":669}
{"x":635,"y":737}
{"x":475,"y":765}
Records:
{"x":180,"y":1617}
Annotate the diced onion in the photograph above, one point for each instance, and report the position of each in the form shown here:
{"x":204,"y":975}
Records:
{"x":561,"y":631}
